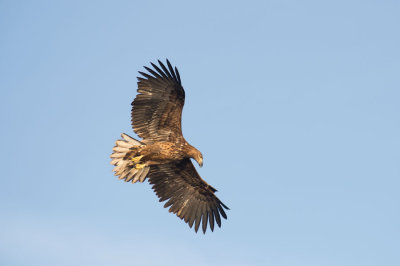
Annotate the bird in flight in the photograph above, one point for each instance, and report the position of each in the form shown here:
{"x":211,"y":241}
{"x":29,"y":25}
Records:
{"x":163,"y":156}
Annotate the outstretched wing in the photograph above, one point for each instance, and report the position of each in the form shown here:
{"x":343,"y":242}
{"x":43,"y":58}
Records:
{"x":189,"y":196}
{"x":157,"y":109}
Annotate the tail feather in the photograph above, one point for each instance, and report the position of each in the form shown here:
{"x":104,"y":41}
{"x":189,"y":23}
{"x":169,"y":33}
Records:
{"x":130,"y":175}
{"x":142,"y":174}
{"x":124,"y":166}
{"x":123,"y":143}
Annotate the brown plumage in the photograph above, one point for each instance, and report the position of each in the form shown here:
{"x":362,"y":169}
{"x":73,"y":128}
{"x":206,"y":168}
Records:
{"x":163,"y":155}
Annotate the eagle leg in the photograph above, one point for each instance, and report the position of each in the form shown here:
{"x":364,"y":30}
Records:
{"x":137,"y":159}
{"x":140,"y":165}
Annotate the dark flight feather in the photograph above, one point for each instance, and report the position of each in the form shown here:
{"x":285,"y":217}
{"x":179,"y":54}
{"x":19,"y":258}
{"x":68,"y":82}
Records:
{"x":189,"y":196}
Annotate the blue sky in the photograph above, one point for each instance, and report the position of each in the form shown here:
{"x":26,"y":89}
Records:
{"x":294,"y":105}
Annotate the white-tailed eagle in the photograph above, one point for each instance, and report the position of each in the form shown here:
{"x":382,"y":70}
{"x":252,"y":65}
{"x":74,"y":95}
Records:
{"x":163,"y":155}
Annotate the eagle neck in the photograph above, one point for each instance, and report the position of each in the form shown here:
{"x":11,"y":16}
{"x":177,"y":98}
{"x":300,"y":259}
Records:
{"x":190,"y":151}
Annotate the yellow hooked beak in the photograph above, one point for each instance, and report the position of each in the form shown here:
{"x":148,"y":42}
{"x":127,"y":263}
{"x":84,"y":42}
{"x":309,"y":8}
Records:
{"x":200,"y":162}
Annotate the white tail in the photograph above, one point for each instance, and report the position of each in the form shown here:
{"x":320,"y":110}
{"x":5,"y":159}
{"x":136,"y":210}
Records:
{"x":125,"y":167}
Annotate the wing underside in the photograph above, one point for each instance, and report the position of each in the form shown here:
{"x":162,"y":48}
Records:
{"x":187,"y":195}
{"x":157,"y":109}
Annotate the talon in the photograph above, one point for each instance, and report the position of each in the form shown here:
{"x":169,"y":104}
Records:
{"x":137,"y":159}
{"x":140,"y":165}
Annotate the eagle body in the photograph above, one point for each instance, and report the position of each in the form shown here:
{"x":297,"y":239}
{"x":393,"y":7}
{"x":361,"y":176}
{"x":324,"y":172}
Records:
{"x":163,"y":156}
{"x":163,"y":152}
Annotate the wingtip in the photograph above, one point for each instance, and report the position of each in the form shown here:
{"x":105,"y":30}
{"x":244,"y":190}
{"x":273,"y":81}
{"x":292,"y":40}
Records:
{"x":178,"y":75}
{"x":226,"y":207}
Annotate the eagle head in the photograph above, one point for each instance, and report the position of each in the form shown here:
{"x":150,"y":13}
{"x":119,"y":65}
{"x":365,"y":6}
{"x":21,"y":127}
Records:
{"x":199,"y":159}
{"x":196,"y":154}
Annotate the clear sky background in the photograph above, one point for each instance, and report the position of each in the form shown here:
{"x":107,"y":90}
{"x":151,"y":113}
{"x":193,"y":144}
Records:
{"x":294,"y":105}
